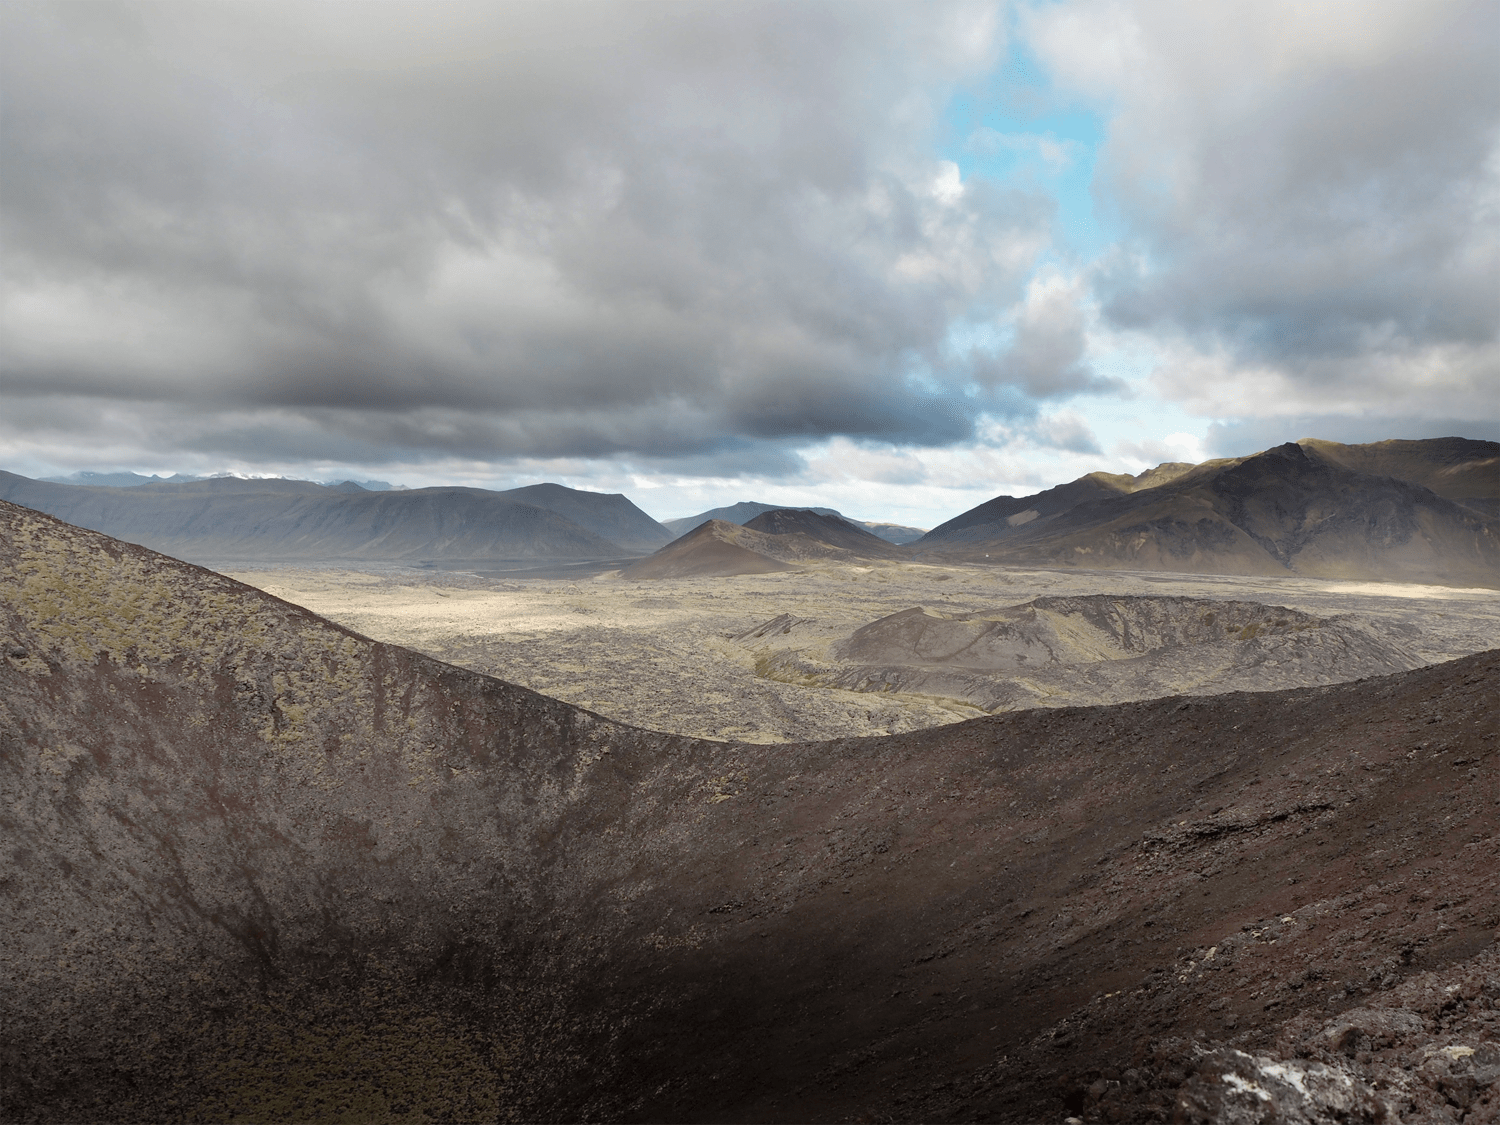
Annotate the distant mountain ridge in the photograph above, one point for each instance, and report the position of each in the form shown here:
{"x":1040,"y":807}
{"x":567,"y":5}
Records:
{"x":133,"y":480}
{"x":234,"y":518}
{"x":1398,"y":510}
{"x":1394,"y":511}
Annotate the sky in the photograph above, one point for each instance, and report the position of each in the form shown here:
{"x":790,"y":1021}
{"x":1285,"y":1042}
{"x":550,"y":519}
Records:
{"x":894,"y":259}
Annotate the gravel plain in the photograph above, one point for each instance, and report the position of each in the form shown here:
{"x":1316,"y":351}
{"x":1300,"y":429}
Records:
{"x":671,"y":655}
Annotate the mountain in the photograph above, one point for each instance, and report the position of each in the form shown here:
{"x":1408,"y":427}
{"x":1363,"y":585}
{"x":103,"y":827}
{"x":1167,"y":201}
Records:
{"x":1287,"y":510}
{"x":229,"y":518}
{"x":741,"y":513}
{"x":259,"y":867}
{"x":716,"y":549}
{"x":773,"y":541}
{"x":747,"y":510}
{"x":609,"y":516}
{"x":831,"y":530}
{"x":367,"y":485}
{"x":118,"y":480}
{"x":1458,"y":469}
{"x":995,"y":518}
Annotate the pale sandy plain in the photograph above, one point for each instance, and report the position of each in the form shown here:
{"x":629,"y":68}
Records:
{"x":663,"y":654}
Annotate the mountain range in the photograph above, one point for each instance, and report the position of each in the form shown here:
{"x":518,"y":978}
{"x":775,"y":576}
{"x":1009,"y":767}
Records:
{"x":230,"y":518}
{"x":1418,"y":511}
{"x":259,"y":867}
{"x":1396,"y":510}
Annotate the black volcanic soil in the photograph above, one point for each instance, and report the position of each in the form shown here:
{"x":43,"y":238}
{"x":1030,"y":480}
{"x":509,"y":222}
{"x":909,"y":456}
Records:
{"x":258,"y":867}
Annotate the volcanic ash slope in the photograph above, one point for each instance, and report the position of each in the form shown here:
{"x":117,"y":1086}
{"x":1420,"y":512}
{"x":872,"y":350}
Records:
{"x":258,"y":867}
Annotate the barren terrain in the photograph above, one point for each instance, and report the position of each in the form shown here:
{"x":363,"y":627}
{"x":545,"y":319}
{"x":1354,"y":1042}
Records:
{"x":673,"y":655}
{"x":260,"y":868}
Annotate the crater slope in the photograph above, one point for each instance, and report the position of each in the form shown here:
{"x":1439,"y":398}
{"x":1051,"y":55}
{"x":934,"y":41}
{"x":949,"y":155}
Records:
{"x":256,"y":866}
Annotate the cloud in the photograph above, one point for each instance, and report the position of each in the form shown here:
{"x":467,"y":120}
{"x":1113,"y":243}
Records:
{"x":499,"y":230}
{"x":1311,"y":191}
{"x":717,"y":238}
{"x":1066,"y":431}
{"x":1046,"y":355}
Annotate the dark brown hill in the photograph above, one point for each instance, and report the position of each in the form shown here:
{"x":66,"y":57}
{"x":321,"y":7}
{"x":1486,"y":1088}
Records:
{"x":257,"y":867}
{"x":1282,"y":511}
{"x":741,"y":513}
{"x":714,"y":549}
{"x":228,"y":518}
{"x":832,"y":530}
{"x":720,"y":549}
{"x":747,"y":510}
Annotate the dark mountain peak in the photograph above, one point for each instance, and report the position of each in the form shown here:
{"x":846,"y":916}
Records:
{"x":785,"y":521}
{"x":747,"y":510}
{"x":832,"y":530}
{"x":1288,"y":451}
{"x":607,"y":514}
{"x":713,"y":549}
{"x":553,"y":490}
{"x":740,"y":513}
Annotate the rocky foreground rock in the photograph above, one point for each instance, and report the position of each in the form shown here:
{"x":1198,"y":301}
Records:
{"x":256,"y":866}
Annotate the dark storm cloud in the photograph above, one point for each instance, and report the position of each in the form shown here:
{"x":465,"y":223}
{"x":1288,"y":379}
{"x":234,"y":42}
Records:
{"x":499,"y":230}
{"x":1309,"y":187}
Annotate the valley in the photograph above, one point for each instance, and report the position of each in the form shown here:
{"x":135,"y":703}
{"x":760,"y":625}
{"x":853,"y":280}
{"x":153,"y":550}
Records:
{"x":672,"y":655}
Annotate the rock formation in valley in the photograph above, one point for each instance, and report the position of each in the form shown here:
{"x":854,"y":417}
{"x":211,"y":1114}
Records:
{"x":1098,"y":648}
